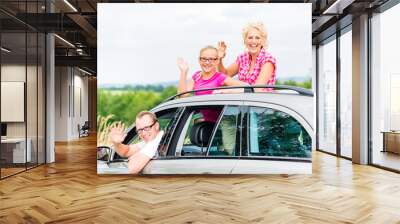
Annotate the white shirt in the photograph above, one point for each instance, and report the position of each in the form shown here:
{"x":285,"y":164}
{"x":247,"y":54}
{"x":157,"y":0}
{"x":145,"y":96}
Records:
{"x":150,"y":148}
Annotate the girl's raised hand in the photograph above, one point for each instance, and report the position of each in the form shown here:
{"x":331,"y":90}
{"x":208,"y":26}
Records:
{"x":221,"y":49}
{"x":183,"y":65}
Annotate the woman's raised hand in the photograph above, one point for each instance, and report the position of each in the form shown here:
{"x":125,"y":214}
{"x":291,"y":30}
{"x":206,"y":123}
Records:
{"x":221,"y":49}
{"x":183,"y":65}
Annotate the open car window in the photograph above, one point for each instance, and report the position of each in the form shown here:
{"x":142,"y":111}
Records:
{"x":167,"y":120}
{"x":195,"y":130}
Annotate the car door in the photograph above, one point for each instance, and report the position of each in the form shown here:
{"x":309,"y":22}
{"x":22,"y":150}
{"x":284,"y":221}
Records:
{"x":275,"y":141}
{"x":205,"y":141}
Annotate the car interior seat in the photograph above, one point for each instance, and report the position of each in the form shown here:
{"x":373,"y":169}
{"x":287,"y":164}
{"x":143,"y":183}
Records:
{"x":201,"y":133}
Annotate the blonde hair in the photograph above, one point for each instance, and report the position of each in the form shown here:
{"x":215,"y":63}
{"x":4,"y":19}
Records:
{"x":148,"y":113}
{"x":208,"y":47}
{"x":257,"y":26}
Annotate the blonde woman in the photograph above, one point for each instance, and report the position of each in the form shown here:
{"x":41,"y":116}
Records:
{"x":255,"y":66}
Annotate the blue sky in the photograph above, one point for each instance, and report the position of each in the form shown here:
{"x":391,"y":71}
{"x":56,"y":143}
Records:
{"x":139,"y":43}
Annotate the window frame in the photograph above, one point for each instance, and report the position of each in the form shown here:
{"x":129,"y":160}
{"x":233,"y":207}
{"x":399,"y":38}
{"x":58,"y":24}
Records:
{"x":238,"y":147}
{"x":132,"y":134}
{"x":180,"y":127}
{"x":280,"y":108}
{"x":182,"y":122}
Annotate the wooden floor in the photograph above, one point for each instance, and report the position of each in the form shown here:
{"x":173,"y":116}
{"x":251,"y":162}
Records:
{"x":387,"y":159}
{"x":70,"y":191}
{"x":10,"y":171}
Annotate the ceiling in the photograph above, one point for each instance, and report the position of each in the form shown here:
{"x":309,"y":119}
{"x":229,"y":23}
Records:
{"x":75,"y":22}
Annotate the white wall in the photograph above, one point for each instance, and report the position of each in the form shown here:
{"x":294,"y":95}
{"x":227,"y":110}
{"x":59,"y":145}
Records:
{"x":80,"y":110}
{"x":14,"y":73}
{"x":33,"y":125}
{"x":62,"y":81}
{"x":71,"y":102}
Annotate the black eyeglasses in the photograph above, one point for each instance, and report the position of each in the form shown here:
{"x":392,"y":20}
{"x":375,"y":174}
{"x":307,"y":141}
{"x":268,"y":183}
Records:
{"x":202,"y":59}
{"x":146,"y":128}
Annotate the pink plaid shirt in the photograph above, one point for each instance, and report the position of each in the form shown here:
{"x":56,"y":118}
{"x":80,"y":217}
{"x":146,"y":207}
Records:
{"x":243,"y":61}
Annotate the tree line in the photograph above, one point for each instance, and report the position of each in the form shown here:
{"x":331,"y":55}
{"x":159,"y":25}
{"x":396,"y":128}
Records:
{"x":125,"y":102}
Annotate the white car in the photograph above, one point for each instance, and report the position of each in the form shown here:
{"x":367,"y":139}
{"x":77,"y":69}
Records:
{"x":235,"y":133}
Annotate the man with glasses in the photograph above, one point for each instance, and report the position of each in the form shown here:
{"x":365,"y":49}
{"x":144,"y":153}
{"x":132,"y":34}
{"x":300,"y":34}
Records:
{"x":139,"y":154}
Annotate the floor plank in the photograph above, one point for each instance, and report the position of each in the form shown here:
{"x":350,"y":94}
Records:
{"x":70,"y":191}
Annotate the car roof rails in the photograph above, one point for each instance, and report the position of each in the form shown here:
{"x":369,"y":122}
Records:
{"x":250,"y":89}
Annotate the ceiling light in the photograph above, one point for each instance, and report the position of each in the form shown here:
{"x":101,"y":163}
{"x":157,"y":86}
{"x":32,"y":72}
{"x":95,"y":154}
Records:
{"x":64,"y":40}
{"x":5,"y":50}
{"x":70,"y":5}
{"x":79,"y":51}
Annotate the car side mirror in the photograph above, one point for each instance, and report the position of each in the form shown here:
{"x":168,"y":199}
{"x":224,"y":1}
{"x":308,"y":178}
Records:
{"x":103,"y":153}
